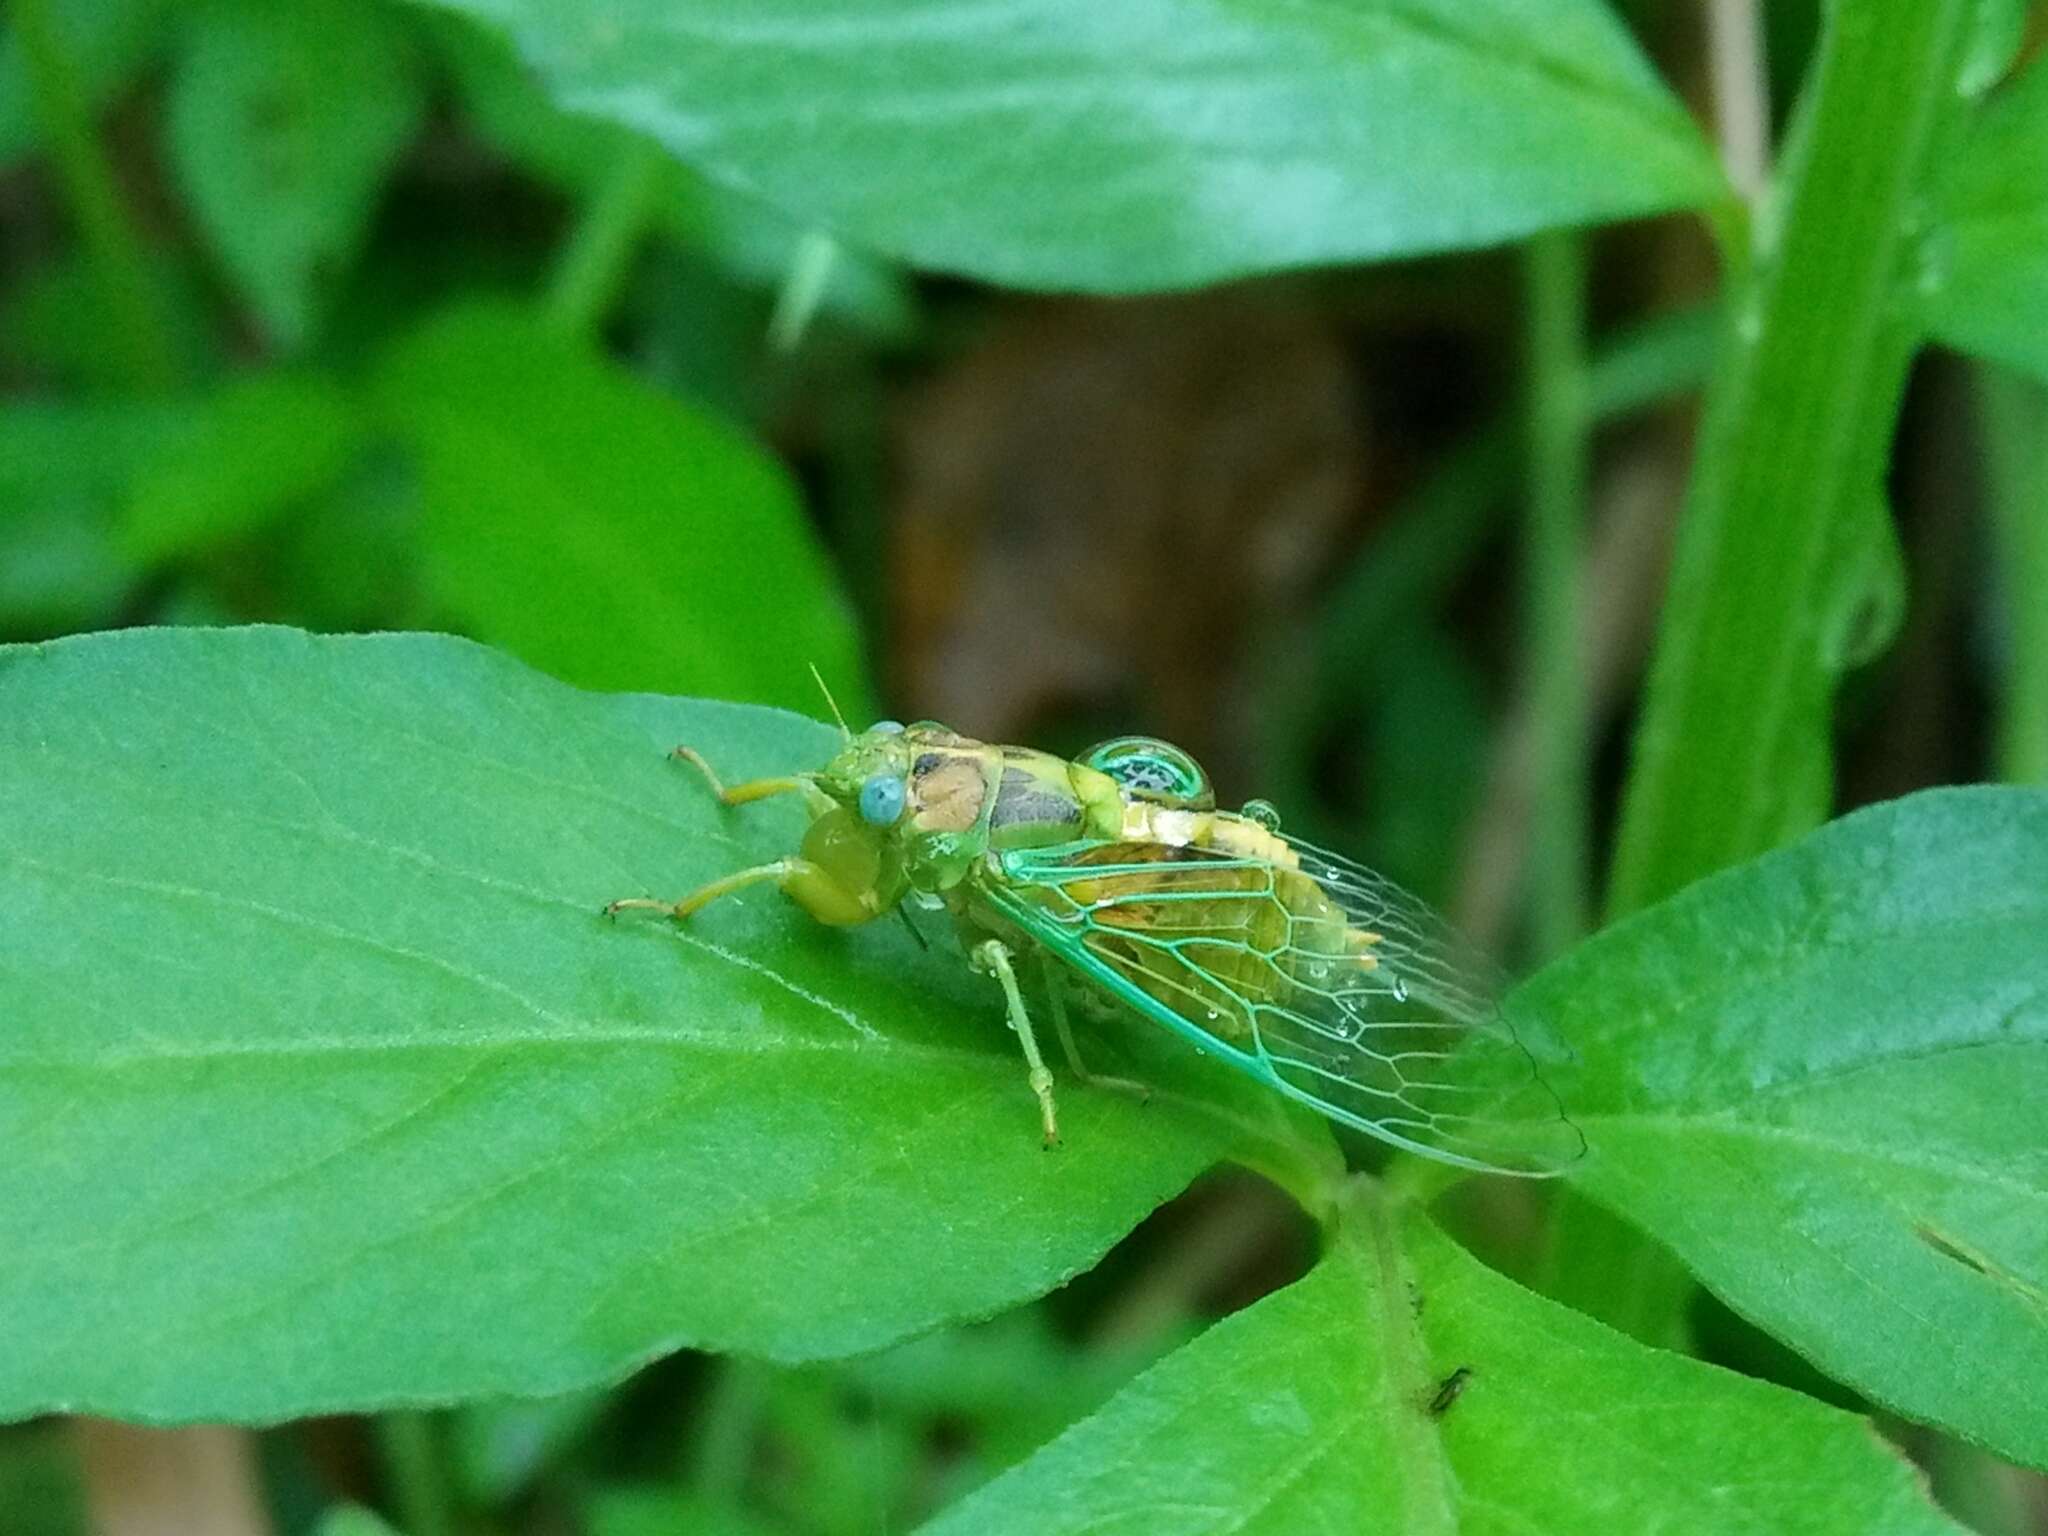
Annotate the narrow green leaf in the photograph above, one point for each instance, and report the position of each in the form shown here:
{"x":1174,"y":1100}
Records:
{"x":1984,"y":276}
{"x":498,"y":1449}
{"x":1785,"y":573}
{"x":352,"y":1520}
{"x":1819,"y":1079}
{"x":325,"y":1085}
{"x":1998,"y":31}
{"x":63,"y":472}
{"x":254,"y":449}
{"x":624,"y":1510}
{"x":107,"y":42}
{"x":107,"y":233}
{"x":1147,"y":144}
{"x":41,"y":1492}
{"x":283,"y":121}
{"x":608,"y":533}
{"x":1312,"y":1411}
{"x":58,"y":328}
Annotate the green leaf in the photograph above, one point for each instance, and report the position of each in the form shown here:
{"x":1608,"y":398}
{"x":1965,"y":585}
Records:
{"x":499,"y":1449}
{"x":1984,"y":274}
{"x":58,"y":327}
{"x":325,"y":1085}
{"x":257,"y":447}
{"x":1147,"y":144}
{"x":623,"y":1510}
{"x":610,"y":534}
{"x":63,"y":472}
{"x":1785,"y":574}
{"x":41,"y":1493}
{"x":283,"y":121}
{"x":1998,"y":31}
{"x":1311,"y":1410}
{"x":105,"y":42}
{"x":749,"y":241}
{"x":352,"y":1520}
{"x":1819,"y":1079}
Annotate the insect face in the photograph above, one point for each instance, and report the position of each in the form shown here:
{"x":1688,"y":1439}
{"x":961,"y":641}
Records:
{"x":858,"y":776}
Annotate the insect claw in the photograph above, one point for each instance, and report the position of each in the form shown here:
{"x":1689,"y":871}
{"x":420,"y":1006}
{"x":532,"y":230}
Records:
{"x":638,"y":904}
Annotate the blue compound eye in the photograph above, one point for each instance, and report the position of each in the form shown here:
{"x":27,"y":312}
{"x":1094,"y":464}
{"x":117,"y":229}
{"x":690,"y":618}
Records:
{"x":888,"y":727}
{"x":881,"y":799}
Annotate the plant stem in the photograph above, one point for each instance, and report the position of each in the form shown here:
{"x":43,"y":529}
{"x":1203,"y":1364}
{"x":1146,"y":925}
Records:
{"x":1742,"y":102}
{"x":112,"y":245}
{"x":803,"y":290}
{"x":594,"y":262}
{"x":2015,"y":427}
{"x":1784,"y":539}
{"x":1557,"y":423}
{"x":416,"y":1471}
{"x":730,"y":1426}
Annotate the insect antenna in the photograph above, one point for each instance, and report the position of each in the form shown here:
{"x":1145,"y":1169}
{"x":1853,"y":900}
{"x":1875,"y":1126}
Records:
{"x":830,"y":702}
{"x":904,"y":913}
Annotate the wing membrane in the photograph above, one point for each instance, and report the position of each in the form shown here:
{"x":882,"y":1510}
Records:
{"x":1313,"y":974}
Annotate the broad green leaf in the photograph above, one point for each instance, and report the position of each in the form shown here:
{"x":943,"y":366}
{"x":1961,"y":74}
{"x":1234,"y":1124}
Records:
{"x":283,"y":121}
{"x":1312,"y":1411}
{"x":1146,"y":144}
{"x":1984,"y":273}
{"x":105,"y":43}
{"x":325,"y":1085}
{"x":610,"y":534}
{"x":258,"y":446}
{"x":750,"y":242}
{"x":1819,"y":1079}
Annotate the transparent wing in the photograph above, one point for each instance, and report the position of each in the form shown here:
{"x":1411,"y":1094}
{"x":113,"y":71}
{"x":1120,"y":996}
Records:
{"x":1315,"y":975}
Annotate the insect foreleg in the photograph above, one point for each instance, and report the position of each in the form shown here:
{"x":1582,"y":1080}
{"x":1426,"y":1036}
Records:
{"x":993,"y":956}
{"x":1066,"y":1033}
{"x":740,"y":794}
{"x":810,"y":886}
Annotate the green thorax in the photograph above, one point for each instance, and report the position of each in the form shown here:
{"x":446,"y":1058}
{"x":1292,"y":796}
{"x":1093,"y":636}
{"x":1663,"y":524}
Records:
{"x":968,"y":798}
{"x":941,"y":803}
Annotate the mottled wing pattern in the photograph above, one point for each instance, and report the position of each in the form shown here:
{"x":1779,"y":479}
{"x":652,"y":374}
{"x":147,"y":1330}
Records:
{"x":1320,"y":978}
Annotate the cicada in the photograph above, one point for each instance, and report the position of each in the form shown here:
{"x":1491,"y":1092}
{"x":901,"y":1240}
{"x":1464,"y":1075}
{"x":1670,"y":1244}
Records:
{"x":1120,"y":874}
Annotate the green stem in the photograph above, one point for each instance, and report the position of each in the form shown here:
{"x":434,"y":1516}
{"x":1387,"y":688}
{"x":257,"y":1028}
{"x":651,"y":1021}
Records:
{"x":803,"y":290}
{"x":1985,"y":1493}
{"x":1784,"y":538}
{"x":1557,"y":422}
{"x":729,"y":1428}
{"x":114,"y":249}
{"x":593,"y":264}
{"x":2015,"y":425}
{"x":411,"y":1447}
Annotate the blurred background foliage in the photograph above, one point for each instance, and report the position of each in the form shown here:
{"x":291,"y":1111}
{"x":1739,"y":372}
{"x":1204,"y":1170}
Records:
{"x":328,"y":315}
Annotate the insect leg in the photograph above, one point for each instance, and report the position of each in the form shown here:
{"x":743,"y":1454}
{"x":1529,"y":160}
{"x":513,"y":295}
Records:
{"x":1066,"y":1033}
{"x":809,"y":885}
{"x":740,"y":794}
{"x":993,"y":956}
